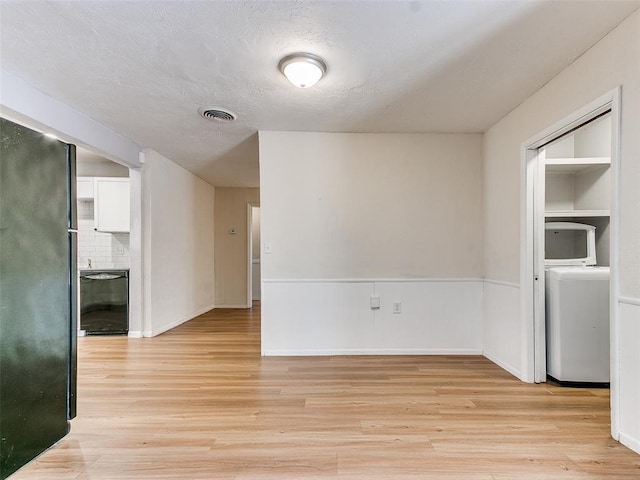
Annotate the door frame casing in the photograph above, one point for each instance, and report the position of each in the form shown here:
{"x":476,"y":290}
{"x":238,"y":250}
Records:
{"x":532,"y":264}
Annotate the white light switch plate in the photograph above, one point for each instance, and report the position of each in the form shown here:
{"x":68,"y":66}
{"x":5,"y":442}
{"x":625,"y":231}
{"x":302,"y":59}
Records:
{"x":375,"y":302}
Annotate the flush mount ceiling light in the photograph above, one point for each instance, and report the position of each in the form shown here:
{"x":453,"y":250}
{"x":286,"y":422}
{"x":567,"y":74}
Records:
{"x":303,"y":69}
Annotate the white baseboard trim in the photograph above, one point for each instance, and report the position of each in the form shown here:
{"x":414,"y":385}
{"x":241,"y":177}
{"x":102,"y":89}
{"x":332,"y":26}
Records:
{"x":628,"y":441}
{"x":367,"y":351}
{"x":201,"y":311}
{"x":512,"y":370}
{"x":629,"y":301}
{"x":367,"y":280}
{"x":130,"y":333}
{"x":231,"y":306}
{"x":501,"y":283}
{"x":166,"y":328}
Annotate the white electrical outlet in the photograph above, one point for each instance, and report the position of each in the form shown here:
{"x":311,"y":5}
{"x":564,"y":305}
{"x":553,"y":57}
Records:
{"x":397,"y":308}
{"x":120,"y":250}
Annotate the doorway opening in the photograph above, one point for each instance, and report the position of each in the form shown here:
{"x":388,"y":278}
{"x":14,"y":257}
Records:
{"x":571,"y":189}
{"x":254,"y":277}
{"x":104,"y":227}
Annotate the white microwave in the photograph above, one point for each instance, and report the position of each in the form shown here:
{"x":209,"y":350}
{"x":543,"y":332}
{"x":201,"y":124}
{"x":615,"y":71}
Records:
{"x":569,"y":243}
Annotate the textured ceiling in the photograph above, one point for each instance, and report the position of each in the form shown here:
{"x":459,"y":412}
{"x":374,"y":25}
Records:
{"x":144,"y":68}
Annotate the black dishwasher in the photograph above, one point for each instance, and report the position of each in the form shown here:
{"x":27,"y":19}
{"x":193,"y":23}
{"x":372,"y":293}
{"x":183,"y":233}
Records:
{"x":104,"y":302}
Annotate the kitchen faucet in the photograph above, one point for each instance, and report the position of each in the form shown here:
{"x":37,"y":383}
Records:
{"x":89,"y":262}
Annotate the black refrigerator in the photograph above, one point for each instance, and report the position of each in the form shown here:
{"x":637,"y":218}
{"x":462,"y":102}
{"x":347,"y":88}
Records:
{"x":38,"y":288}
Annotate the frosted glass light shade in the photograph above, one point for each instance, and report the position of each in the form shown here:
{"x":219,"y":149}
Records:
{"x":304,"y":70}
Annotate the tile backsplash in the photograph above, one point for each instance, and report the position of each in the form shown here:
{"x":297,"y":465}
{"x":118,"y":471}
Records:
{"x":105,"y":250}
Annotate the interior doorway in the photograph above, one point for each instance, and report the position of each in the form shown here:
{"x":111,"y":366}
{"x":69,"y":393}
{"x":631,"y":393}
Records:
{"x":254,"y":277}
{"x":104,"y":226}
{"x":565,"y":184}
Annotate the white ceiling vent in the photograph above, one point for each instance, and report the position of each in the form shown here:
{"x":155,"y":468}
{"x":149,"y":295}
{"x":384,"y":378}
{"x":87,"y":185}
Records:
{"x":215,"y":113}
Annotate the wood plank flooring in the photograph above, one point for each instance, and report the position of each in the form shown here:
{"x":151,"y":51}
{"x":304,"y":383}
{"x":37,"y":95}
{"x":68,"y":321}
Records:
{"x":200,"y":402}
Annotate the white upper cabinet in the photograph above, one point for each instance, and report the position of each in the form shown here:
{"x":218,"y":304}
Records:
{"x":111,"y":204}
{"x":84,"y":188}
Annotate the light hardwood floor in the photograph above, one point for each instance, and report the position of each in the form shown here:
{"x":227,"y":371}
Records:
{"x":200,"y":403}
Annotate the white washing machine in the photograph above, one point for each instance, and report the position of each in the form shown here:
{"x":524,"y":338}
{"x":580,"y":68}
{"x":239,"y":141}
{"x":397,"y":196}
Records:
{"x":577,"y":305}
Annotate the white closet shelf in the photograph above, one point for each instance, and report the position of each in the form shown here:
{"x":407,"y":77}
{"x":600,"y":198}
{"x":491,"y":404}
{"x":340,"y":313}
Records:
{"x":576,"y":165}
{"x":576,"y":213}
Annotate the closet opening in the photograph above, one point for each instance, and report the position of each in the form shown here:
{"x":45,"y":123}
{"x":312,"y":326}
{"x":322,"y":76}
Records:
{"x":574,"y":246}
{"x":570,"y":231}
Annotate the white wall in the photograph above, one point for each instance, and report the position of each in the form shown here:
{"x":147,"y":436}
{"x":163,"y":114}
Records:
{"x":629,"y":373}
{"x":338,"y":205}
{"x":501,"y":329}
{"x":104,"y":168}
{"x":178,"y":240}
{"x":611,"y":62}
{"x":333,"y":317}
{"x":136,"y":270}
{"x":343,"y":215}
